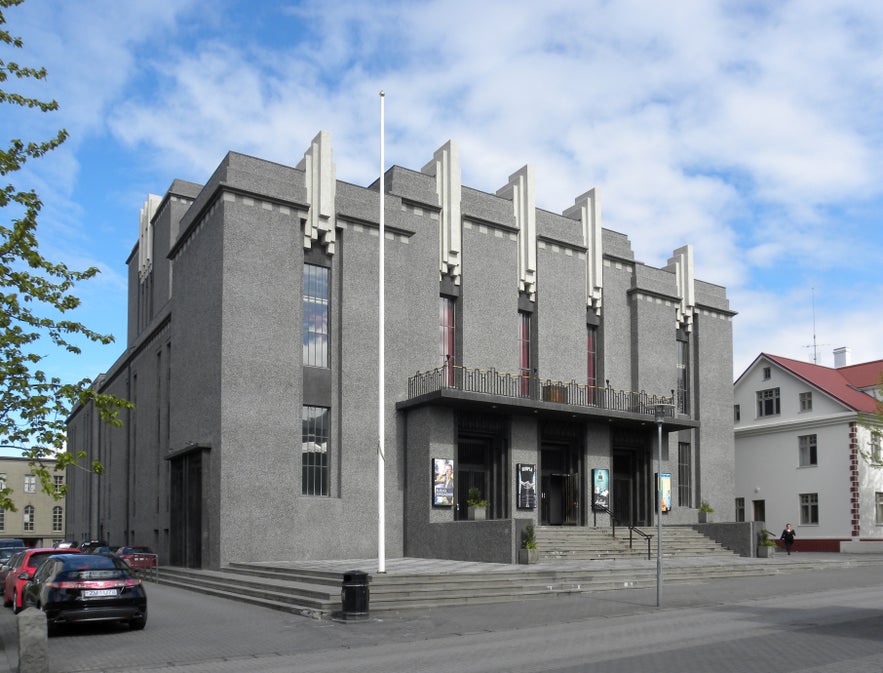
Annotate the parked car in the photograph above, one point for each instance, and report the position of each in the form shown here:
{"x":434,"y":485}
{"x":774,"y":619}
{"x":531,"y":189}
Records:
{"x":7,"y":564}
{"x":12,"y":542}
{"x":89,"y":545}
{"x":19,"y":573}
{"x":71,"y":588}
{"x":67,"y":544}
{"x":138,"y":558}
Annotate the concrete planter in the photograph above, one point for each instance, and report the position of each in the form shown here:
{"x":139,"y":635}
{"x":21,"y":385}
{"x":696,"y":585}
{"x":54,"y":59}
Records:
{"x":528,"y":556}
{"x":765,"y":552}
{"x":706,"y":517}
{"x":476,"y":513}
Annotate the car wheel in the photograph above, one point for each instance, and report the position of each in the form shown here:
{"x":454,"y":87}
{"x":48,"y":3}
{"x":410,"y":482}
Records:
{"x":16,"y":607}
{"x":138,"y":624}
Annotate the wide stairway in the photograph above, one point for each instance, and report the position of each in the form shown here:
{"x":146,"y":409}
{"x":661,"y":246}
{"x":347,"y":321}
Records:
{"x":573,"y":561}
{"x":572,"y":543}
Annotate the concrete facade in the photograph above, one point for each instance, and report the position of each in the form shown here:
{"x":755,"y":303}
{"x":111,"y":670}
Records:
{"x":208,"y":468}
{"x":775,"y":481}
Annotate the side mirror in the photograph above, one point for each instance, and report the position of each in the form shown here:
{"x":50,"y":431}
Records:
{"x":24,"y":576}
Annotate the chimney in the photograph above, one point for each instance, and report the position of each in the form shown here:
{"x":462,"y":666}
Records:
{"x":842,"y":357}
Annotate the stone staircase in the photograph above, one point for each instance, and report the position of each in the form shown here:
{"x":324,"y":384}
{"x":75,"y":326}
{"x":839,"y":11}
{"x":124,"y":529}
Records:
{"x":573,"y":561}
{"x":571,"y":543}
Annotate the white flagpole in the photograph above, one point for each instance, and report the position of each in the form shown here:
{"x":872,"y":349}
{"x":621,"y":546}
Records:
{"x":381,"y":410}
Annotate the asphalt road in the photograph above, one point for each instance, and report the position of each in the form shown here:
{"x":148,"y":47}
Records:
{"x":827,"y":621}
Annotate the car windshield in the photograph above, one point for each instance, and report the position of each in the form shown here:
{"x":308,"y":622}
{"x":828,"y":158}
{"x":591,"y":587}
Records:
{"x":38,"y":558}
{"x":92,"y":563}
{"x":86,"y":574}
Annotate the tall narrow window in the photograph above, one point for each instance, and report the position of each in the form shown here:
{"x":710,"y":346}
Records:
{"x":685,"y":475}
{"x":315,"y":310}
{"x":809,"y":508}
{"x":683,"y":377}
{"x":58,"y":480}
{"x":57,"y":519}
{"x":591,"y":356}
{"x":2,"y":519}
{"x":446,"y":332}
{"x":740,"y":509}
{"x":878,"y":508}
{"x":29,"y":518}
{"x":315,"y":429}
{"x":30,"y":483}
{"x":806,"y":401}
{"x":524,"y":351}
{"x":807,"y":450}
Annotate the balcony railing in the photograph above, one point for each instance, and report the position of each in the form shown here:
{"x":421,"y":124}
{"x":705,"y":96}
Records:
{"x":502,"y":384}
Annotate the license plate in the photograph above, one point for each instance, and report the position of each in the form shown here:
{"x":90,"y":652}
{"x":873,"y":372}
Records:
{"x":99,"y":593}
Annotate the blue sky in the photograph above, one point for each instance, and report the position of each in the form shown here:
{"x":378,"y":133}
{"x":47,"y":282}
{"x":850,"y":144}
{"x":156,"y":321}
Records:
{"x":751,"y":130}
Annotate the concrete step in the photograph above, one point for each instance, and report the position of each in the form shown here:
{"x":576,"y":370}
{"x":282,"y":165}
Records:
{"x":318,"y":594}
{"x":568,"y":543}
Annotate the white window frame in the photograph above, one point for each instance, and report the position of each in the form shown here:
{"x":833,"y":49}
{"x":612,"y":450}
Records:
{"x":807,"y":451}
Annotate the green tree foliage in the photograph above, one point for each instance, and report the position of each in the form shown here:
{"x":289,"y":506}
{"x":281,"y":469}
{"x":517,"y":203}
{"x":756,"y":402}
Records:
{"x":35,"y":298}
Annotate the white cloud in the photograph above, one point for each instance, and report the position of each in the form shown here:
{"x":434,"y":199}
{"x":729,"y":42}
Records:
{"x":750,"y":130}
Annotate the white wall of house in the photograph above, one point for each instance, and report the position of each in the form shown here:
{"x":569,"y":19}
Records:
{"x":768,"y":465}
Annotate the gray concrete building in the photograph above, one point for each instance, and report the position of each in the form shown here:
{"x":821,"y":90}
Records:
{"x":525,"y":354}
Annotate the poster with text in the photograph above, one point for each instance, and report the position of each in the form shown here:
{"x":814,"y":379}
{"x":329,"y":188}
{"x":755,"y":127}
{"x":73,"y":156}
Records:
{"x":665,"y":492}
{"x":527,"y":485}
{"x":443,"y":482}
{"x":600,"y":488}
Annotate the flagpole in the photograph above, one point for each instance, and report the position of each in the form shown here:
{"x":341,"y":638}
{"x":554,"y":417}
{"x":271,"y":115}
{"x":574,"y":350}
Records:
{"x":381,"y":411}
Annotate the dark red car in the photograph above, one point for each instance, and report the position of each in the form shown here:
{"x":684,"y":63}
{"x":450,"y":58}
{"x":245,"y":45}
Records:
{"x":25,"y":567}
{"x":138,"y":558}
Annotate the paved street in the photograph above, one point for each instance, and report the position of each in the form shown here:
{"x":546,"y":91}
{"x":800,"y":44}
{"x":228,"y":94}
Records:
{"x":825,"y":621}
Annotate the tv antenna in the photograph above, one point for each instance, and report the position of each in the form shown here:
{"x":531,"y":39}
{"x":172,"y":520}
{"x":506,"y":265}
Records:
{"x":814,"y":346}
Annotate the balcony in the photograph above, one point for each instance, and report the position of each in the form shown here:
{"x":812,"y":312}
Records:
{"x":571,"y":396}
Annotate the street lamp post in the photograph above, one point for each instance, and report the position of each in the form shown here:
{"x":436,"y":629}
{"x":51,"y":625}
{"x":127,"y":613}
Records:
{"x":660,"y":415}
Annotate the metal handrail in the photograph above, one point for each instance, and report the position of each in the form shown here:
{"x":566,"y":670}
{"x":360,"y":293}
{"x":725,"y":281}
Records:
{"x":642,"y":534}
{"x":607,"y":511}
{"x":503,"y":384}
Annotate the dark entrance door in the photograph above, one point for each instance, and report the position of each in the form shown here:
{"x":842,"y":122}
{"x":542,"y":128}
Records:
{"x":559,"y":485}
{"x":630,"y":496}
{"x":186,"y":511}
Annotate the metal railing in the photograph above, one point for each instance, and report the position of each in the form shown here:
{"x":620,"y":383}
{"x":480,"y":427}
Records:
{"x":517,"y":386}
{"x":607,"y":511}
{"x":644,"y":535}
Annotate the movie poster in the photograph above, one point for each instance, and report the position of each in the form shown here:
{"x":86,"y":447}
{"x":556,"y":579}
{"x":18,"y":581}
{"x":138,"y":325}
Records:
{"x":443,"y":482}
{"x":600,"y":489}
{"x":665,"y":492}
{"x":527,"y":485}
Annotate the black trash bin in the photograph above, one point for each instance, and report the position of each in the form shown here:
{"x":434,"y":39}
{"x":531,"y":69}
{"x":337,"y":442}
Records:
{"x":354,"y":595}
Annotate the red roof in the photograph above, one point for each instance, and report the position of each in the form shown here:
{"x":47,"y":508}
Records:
{"x":841,"y":383}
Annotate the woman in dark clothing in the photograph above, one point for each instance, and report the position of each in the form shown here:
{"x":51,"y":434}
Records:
{"x":788,"y":537}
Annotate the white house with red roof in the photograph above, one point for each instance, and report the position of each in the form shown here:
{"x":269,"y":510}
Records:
{"x":806,"y":453}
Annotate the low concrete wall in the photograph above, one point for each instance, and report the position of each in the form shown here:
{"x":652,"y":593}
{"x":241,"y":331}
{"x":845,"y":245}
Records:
{"x":490,"y":541}
{"x":859,"y":547}
{"x":741,"y":536}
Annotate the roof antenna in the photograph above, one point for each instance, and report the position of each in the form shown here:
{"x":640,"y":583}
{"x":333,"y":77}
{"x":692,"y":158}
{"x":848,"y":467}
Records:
{"x":815,"y":349}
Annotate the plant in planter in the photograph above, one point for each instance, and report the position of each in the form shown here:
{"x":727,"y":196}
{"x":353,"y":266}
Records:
{"x":766,"y":547}
{"x":476,"y":506}
{"x":528,"y":552}
{"x":705,"y":512}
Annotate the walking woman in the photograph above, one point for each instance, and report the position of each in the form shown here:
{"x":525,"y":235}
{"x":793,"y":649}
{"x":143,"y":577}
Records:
{"x":788,"y":537}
